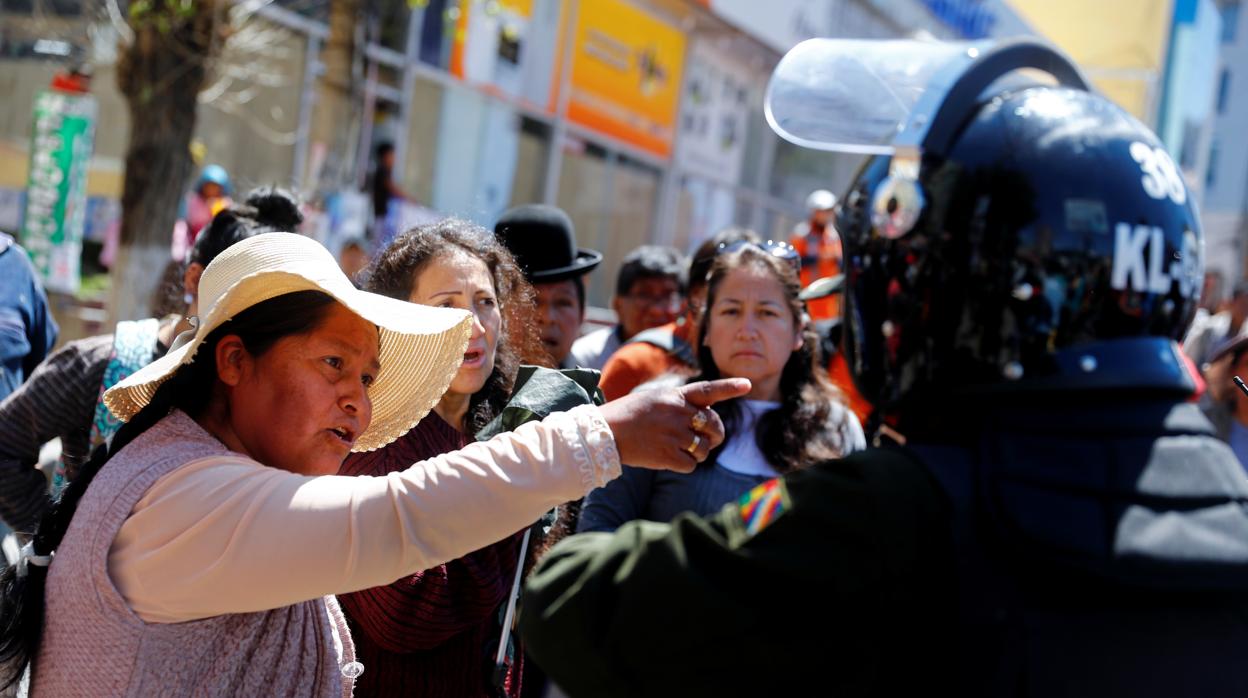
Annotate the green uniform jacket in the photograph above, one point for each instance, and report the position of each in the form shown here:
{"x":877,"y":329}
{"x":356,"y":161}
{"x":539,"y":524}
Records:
{"x":849,"y":593}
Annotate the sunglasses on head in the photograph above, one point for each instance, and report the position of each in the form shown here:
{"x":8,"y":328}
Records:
{"x":774,"y":248}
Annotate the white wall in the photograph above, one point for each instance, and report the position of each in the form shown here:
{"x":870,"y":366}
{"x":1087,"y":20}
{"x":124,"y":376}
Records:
{"x":1229,"y":187}
{"x":1226,"y":191}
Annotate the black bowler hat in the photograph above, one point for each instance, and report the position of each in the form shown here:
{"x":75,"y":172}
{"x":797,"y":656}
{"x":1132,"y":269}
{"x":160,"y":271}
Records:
{"x":541,"y":239}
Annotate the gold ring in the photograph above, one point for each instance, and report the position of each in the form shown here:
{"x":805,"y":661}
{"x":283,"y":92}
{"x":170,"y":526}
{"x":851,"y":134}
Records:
{"x":693,"y":445}
{"x":699,"y":420}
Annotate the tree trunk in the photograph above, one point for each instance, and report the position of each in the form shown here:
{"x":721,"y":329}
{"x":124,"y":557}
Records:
{"x":160,"y":74}
{"x":333,"y":119}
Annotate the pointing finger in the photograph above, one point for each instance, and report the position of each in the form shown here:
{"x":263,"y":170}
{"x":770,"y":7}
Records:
{"x":707,"y":393}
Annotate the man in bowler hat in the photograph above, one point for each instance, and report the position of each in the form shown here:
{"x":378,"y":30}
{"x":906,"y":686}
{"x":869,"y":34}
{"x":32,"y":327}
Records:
{"x":543,"y":242}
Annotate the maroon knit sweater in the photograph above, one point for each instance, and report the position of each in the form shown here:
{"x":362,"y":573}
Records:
{"x":434,"y":633}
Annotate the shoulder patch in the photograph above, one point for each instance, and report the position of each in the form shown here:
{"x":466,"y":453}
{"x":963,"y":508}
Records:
{"x":762,"y":505}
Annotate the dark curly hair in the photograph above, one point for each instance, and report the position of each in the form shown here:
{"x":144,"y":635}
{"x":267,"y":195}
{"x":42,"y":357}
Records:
{"x":397,"y":268}
{"x":797,"y":433}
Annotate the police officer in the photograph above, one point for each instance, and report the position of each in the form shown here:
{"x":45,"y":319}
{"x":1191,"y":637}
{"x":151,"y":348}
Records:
{"x":1046,"y":514}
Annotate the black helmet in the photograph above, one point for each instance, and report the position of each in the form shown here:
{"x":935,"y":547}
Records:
{"x":1017,"y":237}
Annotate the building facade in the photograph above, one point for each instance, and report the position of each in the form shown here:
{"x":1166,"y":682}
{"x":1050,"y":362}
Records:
{"x":642,"y":118}
{"x":1225,"y":211}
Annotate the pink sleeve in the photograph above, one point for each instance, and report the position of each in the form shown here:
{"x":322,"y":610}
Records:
{"x":228,"y":535}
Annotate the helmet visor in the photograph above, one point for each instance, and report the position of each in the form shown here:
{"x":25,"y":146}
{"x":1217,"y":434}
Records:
{"x":855,"y":96}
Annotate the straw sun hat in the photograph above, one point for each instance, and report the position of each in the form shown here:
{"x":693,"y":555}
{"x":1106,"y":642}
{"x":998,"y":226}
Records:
{"x":421,"y":347}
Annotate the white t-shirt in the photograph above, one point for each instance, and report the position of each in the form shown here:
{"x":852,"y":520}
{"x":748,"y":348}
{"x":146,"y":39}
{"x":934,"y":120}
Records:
{"x":742,"y":455}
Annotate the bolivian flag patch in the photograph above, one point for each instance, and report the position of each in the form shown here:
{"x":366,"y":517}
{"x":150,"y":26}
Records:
{"x":761,"y":505}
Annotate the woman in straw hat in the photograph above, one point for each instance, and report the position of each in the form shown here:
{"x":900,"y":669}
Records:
{"x":197,"y":556}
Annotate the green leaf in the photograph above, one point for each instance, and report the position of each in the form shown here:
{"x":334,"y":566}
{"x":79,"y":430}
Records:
{"x":140,"y":9}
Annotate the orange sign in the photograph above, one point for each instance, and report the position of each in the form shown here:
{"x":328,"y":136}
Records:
{"x":485,"y":25}
{"x":626,"y":72}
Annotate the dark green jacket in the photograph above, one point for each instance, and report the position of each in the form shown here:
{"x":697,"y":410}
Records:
{"x":705,"y":607}
{"x":1099,"y":543}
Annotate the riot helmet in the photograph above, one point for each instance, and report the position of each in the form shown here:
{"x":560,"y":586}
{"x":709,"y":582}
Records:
{"x":1011,"y":230}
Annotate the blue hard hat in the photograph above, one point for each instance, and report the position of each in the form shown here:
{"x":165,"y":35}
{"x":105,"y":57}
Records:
{"x":215,"y":174}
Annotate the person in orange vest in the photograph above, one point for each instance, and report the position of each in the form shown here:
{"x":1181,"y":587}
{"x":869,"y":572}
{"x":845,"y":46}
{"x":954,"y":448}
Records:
{"x":829,"y":331}
{"x":817,"y":241}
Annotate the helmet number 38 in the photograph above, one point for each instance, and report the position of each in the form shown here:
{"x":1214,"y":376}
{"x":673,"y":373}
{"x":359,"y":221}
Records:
{"x":1141,"y":262}
{"x":1161,"y":178}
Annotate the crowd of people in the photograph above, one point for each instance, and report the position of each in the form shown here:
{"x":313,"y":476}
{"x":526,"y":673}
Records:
{"x":872,"y":459}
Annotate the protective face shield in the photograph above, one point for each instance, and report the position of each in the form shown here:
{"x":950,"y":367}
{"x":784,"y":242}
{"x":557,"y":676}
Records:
{"x":1011,"y":231}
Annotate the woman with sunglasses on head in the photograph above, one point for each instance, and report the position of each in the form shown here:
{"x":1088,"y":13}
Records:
{"x":667,"y":350}
{"x":428,"y":633}
{"x":753,"y":326}
{"x":196,"y":556}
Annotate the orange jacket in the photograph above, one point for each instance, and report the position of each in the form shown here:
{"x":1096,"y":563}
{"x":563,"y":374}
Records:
{"x":637,"y":362}
{"x":823,"y":260}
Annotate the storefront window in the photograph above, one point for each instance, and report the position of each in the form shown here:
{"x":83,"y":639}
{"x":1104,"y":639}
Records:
{"x":744,"y":216}
{"x":530,"y":177}
{"x":388,"y":21}
{"x":778,"y":225}
{"x":703,"y":208}
{"x":583,"y":191}
{"x":420,"y":149}
{"x":631,"y":203}
{"x":389,"y":76}
{"x":799,"y":171}
{"x":757,"y":134}
{"x":683,"y":216}
{"x":611,"y":200}
{"x":486,"y":156}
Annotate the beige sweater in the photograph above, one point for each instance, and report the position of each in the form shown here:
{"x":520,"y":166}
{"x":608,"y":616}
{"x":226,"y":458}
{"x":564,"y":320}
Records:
{"x":192,"y":570}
